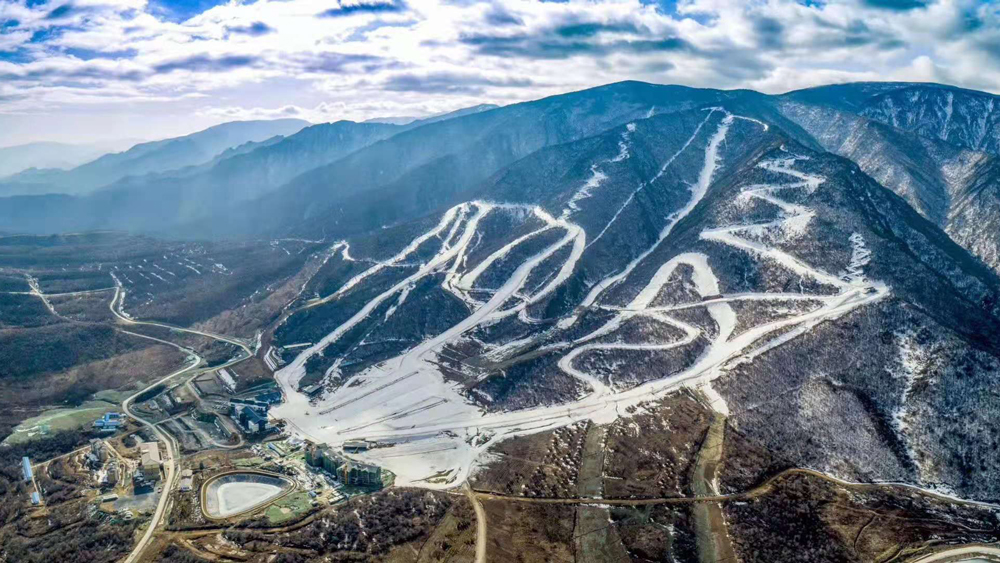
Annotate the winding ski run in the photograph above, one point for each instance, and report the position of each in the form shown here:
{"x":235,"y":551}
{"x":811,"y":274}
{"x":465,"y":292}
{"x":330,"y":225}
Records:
{"x":436,"y":431}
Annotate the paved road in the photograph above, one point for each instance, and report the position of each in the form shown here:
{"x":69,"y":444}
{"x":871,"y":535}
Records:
{"x":173,"y":451}
{"x":115,"y":307}
{"x":170,"y":463}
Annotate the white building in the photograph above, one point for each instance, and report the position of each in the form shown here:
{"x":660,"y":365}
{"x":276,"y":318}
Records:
{"x":150,"y":460}
{"x":227,"y":379}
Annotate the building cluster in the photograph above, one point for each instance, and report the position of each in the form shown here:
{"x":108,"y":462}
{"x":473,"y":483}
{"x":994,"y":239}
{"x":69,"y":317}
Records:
{"x":356,"y":446}
{"x":110,"y":478}
{"x":252,"y":419}
{"x":97,"y":455}
{"x":224,"y":428}
{"x":272,"y":397}
{"x":98,"y":459}
{"x":110,"y":422}
{"x":252,"y":413}
{"x":311,"y":390}
{"x":29,"y":475}
{"x":346,"y":470}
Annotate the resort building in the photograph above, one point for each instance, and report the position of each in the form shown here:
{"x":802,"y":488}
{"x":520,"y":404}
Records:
{"x":150,"y":460}
{"x":110,"y":422}
{"x":362,"y":474}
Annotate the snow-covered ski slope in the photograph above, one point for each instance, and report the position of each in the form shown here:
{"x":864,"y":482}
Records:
{"x":437,"y":433}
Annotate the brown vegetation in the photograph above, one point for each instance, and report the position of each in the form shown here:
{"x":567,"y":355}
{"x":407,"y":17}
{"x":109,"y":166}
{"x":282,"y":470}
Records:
{"x":529,"y":533}
{"x":68,"y":527}
{"x":540,"y":465}
{"x":809,"y":519}
{"x":649,"y":454}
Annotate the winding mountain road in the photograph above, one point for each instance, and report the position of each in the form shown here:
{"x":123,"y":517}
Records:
{"x":117,"y":304}
{"x":171,"y":462}
{"x":173,"y":450}
{"x":962,"y":554}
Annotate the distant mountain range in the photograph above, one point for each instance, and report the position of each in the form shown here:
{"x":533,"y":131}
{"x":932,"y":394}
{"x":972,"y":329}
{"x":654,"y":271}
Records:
{"x":18,"y":158}
{"x":147,"y":158}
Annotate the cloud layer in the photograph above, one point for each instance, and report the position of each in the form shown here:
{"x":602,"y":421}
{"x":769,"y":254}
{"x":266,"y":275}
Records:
{"x":76,"y":69}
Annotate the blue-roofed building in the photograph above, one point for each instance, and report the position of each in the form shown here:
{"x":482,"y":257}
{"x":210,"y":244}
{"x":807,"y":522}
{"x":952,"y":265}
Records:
{"x":110,"y":422}
{"x":270,"y":397}
{"x":36,"y":498}
{"x":252,"y":420}
{"x":26,"y":469}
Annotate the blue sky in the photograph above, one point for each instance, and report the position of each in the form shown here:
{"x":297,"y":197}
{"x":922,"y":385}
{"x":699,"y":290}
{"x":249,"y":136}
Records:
{"x":83,"y":70}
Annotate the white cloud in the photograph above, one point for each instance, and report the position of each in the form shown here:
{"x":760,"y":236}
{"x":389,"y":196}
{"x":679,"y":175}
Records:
{"x":273,"y":58}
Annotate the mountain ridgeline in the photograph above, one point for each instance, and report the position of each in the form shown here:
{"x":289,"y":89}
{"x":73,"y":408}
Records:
{"x":933,"y":145}
{"x":148,"y":158}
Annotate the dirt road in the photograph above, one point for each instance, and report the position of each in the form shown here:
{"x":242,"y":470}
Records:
{"x":755,"y":492}
{"x":710,"y":524}
{"x":480,"y":524}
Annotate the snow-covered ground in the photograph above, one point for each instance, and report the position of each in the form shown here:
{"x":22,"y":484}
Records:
{"x":234,"y":498}
{"x":434,"y":430}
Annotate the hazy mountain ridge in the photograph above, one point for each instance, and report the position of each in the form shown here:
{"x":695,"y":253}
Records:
{"x":432,"y":165}
{"x":47,"y":155}
{"x":406,"y":120}
{"x":343,"y":178}
{"x":251,"y":170}
{"x":156,"y":156}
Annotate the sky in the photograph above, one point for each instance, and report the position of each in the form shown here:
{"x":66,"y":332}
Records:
{"x":96,"y":70}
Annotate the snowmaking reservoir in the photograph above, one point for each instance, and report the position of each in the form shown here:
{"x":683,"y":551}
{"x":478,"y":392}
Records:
{"x":230,"y":494}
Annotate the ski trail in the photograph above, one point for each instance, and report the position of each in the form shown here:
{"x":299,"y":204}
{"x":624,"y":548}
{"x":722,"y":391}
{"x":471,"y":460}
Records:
{"x":468,"y":279}
{"x":597,"y":176}
{"x":698,"y":191}
{"x":575,"y":235}
{"x":295,"y":370}
{"x":453,"y":252}
{"x":706,"y":284}
{"x":448,"y":218}
{"x":663,"y":169}
{"x":796,"y":215}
